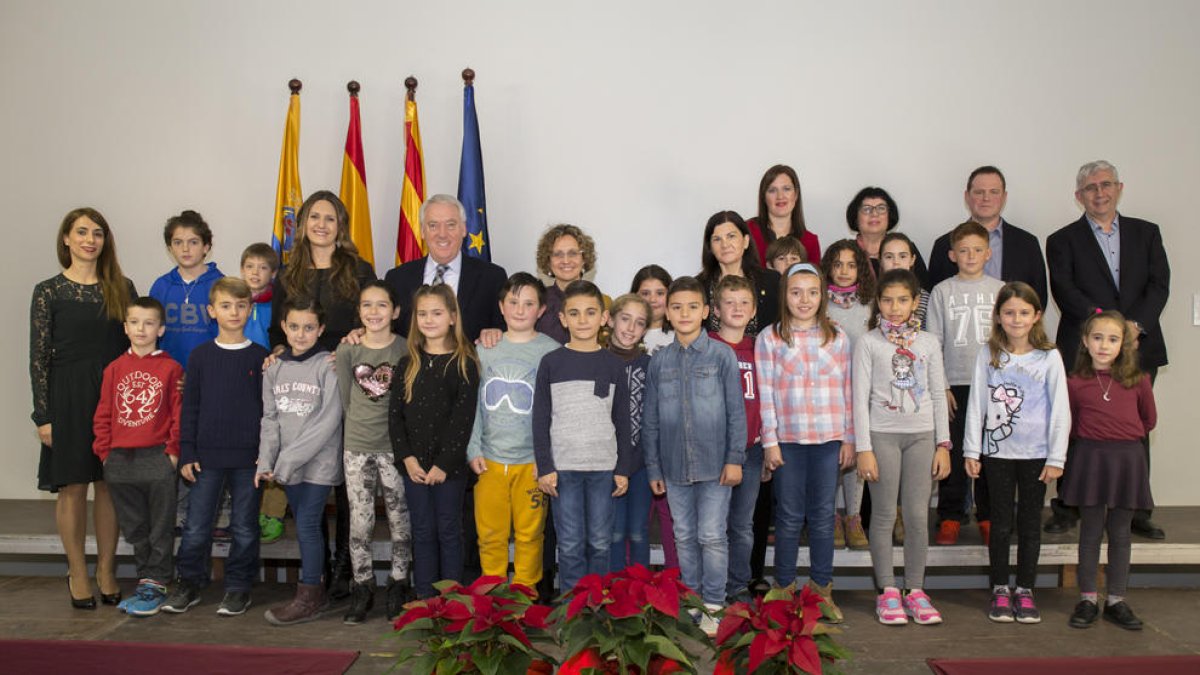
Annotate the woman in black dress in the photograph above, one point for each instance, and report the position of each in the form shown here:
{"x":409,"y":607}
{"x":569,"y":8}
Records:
{"x":76,"y":329}
{"x":325,"y":265}
{"x":729,"y":249}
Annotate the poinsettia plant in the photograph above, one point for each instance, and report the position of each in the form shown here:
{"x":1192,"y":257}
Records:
{"x":491,"y":627}
{"x":777,"y":634}
{"x":631,"y":621}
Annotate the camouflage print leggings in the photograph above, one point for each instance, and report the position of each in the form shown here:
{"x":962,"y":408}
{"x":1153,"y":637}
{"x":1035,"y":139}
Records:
{"x":364,"y":470}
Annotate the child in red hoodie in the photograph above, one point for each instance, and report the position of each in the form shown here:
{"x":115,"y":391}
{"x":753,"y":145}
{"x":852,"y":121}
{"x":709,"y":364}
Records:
{"x":137,"y":439}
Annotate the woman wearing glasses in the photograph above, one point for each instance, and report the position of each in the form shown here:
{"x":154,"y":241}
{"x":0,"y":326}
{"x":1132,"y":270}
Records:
{"x":872,"y":214}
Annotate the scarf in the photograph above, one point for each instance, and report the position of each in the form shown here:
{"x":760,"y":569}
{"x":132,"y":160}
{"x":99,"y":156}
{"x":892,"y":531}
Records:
{"x":625,"y":355}
{"x":844,"y":296}
{"x":900,"y":334}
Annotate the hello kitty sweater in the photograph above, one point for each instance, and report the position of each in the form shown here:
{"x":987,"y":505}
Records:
{"x":898,"y":389}
{"x":365,"y":380}
{"x":1019,"y":410}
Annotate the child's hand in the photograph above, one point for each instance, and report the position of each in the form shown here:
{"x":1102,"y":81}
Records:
{"x":415,"y":473}
{"x":972,"y":466}
{"x":174,"y":461}
{"x":1050,"y":474}
{"x":189,"y":471}
{"x":658,"y":487}
{"x":731,"y":475}
{"x":951,"y":404}
{"x":354,"y":337}
{"x":435,"y":476}
{"x":766,"y":475}
{"x":549,"y":483}
{"x":45,"y":436}
{"x":772,"y":459}
{"x":262,"y":477}
{"x":489,"y":337}
{"x":868,"y":468}
{"x":941,"y":462}
{"x":272,"y":357}
{"x":622,"y":483}
{"x":478,"y":465}
{"x":846,"y":456}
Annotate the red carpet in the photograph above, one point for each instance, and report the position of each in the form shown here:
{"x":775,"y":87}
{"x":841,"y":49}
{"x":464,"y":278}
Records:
{"x":1120,"y":665}
{"x":135,"y":658}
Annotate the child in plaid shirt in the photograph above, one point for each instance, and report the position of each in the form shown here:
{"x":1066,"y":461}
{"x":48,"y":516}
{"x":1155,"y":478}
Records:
{"x":803,"y":364}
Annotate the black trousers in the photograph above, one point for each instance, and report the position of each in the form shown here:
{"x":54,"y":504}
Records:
{"x":764,"y":517}
{"x":1009,"y":478}
{"x":954,"y":488}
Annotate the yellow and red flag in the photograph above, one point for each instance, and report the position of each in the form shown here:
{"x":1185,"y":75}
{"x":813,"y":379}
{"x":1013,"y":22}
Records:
{"x":409,"y":245}
{"x":288,"y":196}
{"x":353,"y":192}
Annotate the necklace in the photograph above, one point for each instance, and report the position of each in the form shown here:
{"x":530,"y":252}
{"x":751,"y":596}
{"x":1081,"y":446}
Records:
{"x":1104,"y":388}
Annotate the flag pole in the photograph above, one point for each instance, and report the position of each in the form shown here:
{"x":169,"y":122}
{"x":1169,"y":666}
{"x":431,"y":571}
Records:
{"x":294,"y":85}
{"x":468,"y":77}
{"x":353,"y":87}
{"x":410,"y":83}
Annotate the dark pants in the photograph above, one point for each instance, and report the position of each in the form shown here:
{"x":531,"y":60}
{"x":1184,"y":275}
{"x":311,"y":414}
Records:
{"x":472,"y":568}
{"x":195,"y":548}
{"x":547,"y":585}
{"x":583,"y":518}
{"x":764,"y":518}
{"x":740,"y":529}
{"x":1094,"y":521}
{"x":142,"y":485}
{"x":308,"y":507}
{"x":437,"y":531}
{"x":1008,"y":478}
{"x":953,"y":489}
{"x":805,"y":488}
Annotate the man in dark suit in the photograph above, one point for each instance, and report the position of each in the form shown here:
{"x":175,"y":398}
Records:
{"x":476,"y":282}
{"x":1106,"y":260}
{"x":1016,"y":254}
{"x":477,"y":285}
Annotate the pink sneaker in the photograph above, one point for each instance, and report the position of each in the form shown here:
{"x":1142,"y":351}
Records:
{"x":921,"y":609}
{"x":889,"y":608}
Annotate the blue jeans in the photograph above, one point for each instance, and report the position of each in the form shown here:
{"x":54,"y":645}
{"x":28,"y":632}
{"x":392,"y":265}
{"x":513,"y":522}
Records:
{"x":308,"y":507}
{"x":701,"y":514}
{"x":631,"y":524}
{"x":740,"y":530}
{"x":583,"y":519}
{"x":436,"y":513}
{"x":195,"y":548}
{"x":804,"y":492}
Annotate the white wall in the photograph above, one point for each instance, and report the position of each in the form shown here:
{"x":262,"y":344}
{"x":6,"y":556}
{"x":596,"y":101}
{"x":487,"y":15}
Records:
{"x":635,"y":120}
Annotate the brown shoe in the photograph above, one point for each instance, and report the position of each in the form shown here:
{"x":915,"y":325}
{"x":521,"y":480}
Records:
{"x":856,"y":537}
{"x":898,"y":532}
{"x":309,"y":603}
{"x":833,"y":614}
{"x":839,"y":534}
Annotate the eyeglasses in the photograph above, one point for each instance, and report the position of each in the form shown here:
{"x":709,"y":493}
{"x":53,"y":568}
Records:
{"x":565,"y":255}
{"x":877,"y":210}
{"x":1093,"y":188}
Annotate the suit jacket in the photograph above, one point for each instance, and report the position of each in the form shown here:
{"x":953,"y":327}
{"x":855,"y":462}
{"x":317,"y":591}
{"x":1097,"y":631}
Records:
{"x":479,"y":287}
{"x":1082,"y":283}
{"x":1020,"y":260}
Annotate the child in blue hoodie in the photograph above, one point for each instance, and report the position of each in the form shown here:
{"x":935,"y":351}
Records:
{"x":184,"y":290}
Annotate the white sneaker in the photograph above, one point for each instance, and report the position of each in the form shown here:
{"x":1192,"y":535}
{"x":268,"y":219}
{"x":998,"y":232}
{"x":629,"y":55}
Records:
{"x":709,"y":623}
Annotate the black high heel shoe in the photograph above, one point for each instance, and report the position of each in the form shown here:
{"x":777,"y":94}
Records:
{"x":110,"y":598}
{"x":86,"y":603}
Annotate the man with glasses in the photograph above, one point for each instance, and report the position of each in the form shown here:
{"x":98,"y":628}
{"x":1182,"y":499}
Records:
{"x":1103,"y":261}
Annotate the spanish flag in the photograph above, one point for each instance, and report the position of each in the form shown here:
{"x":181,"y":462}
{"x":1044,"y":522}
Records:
{"x":409,"y":245}
{"x":288,"y":196}
{"x":353,"y":192}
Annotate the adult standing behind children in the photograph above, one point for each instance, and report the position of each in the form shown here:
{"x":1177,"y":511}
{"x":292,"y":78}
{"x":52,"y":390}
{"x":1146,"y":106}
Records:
{"x":564,"y":253}
{"x":183,"y":291}
{"x":729,"y":249}
{"x":1106,"y":261}
{"x":871,"y":215}
{"x":781,"y":214}
{"x":74,"y":332}
{"x":1016,"y":254}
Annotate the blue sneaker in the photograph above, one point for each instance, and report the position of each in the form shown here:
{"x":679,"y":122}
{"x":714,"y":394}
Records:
{"x":123,"y":605}
{"x":147,"y":599}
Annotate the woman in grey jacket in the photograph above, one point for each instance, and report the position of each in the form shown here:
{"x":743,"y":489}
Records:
{"x":301,"y":446}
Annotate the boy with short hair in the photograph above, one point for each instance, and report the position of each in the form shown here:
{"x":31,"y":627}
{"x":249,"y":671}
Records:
{"x":694,"y":439}
{"x":581,"y":435}
{"x":735,"y":306}
{"x":218,"y":447}
{"x":137,"y":439}
{"x":259,"y":264}
{"x":183,"y":290}
{"x":785,"y":252}
{"x":960,"y":315}
{"x":507,"y":499}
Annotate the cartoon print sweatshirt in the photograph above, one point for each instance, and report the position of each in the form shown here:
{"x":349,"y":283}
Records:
{"x":302,"y":420}
{"x":1020,"y":410}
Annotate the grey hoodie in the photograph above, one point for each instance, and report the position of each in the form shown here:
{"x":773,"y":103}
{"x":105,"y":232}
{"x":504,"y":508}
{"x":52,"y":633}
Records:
{"x":301,"y":438}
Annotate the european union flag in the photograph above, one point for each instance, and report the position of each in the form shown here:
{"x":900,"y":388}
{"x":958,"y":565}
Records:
{"x":470,"y":178}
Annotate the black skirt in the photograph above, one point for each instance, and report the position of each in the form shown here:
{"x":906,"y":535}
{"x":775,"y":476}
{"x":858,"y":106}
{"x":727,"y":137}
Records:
{"x":1107,"y":473}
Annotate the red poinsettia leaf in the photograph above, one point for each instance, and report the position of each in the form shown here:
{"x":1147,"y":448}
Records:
{"x":803,"y":655}
{"x":446,"y":586}
{"x":660,"y":665}
{"x":764,"y":646}
{"x":576,"y":606}
{"x":457,"y":625}
{"x":515,"y":631}
{"x":535,"y":616}
{"x":640,"y":573}
{"x":725,"y":665}
{"x":455,"y":609}
{"x":412,"y":615}
{"x":623,"y":607}
{"x":663,"y":600}
{"x":731,"y":625}
{"x":484,"y":585}
{"x":524,"y":590}
{"x":588,"y":658}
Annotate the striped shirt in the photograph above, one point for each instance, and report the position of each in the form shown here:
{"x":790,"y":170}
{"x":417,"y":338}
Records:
{"x":805,"y":389}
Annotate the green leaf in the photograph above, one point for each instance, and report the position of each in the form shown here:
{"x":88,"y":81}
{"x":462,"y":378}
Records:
{"x":667,"y":648}
{"x":515,"y":662}
{"x":424,"y":665}
{"x":777,"y":594}
{"x":639,"y":653}
{"x":488,"y":664}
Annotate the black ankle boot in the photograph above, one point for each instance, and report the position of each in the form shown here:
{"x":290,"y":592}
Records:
{"x":362,"y":599}
{"x":339,"y":575}
{"x":399,"y":593}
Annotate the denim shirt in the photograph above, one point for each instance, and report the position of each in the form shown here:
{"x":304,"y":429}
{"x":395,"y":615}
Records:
{"x":694,"y":421}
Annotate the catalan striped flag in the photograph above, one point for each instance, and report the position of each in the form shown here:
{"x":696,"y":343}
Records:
{"x":288,"y":196}
{"x":353,"y":192}
{"x":409,"y":245}
{"x":470,"y":177}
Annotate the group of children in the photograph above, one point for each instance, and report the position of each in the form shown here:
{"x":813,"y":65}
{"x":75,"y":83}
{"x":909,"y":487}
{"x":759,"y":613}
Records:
{"x":863,"y":379}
